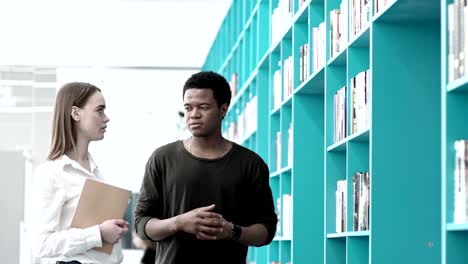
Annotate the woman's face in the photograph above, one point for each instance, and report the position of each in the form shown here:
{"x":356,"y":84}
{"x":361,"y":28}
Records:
{"x":92,"y":121}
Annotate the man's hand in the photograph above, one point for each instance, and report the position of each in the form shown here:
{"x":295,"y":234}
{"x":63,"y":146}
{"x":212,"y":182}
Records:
{"x":203,"y":223}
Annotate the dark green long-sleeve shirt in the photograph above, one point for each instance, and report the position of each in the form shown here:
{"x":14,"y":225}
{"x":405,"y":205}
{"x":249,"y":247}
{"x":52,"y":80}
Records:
{"x":176,"y":182}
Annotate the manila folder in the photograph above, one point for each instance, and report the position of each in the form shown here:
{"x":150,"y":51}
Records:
{"x":99,"y":202}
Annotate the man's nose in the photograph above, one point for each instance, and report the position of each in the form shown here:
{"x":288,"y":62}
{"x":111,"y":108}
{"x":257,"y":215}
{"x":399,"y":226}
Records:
{"x":195,"y":113}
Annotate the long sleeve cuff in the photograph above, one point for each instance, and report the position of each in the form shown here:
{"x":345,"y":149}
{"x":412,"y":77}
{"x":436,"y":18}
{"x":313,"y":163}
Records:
{"x":92,"y":236}
{"x":141,"y":228}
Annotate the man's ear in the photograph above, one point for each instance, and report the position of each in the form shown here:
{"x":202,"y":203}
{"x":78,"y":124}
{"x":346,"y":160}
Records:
{"x":224,"y":109}
{"x":75,"y":113}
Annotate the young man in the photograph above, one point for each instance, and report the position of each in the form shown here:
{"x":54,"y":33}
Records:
{"x":205,"y":199}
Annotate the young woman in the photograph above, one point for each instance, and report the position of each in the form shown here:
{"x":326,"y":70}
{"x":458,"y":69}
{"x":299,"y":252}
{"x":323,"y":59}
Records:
{"x":78,"y":119}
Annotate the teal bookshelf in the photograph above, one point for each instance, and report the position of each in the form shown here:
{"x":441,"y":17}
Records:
{"x":397,"y":54}
{"x":454,"y":127}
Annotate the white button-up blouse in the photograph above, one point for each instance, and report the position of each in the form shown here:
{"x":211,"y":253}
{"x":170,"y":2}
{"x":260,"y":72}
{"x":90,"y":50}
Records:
{"x":57,"y":187}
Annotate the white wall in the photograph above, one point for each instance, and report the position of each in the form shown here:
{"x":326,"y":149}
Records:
{"x":12,"y":164}
{"x":166,"y":33}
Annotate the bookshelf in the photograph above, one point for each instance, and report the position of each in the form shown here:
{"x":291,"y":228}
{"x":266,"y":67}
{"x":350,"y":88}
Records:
{"x":454,"y":128}
{"x":367,"y":103}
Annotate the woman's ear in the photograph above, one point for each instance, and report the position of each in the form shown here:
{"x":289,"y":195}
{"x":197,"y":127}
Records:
{"x":75,"y":113}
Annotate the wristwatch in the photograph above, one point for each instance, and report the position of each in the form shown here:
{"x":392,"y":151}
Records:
{"x":236,"y":232}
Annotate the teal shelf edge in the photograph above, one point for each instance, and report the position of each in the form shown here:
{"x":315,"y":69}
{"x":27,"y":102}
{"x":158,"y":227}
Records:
{"x":309,"y":86}
{"x":287,"y":102}
{"x":300,"y":12}
{"x":337,"y":235}
{"x":457,"y":227}
{"x":362,"y":39}
{"x":380,"y":14}
{"x":275,"y":175}
{"x":287,"y":31}
{"x":275,"y":45}
{"x":459,"y":85}
{"x":282,"y":238}
{"x":358,"y":233}
{"x":362,"y":136}
{"x":262,"y":60}
{"x":280,"y":171}
{"x":239,"y":38}
{"x":339,"y":59}
{"x":349,"y":234}
{"x":247,"y":138}
{"x":276,"y":110}
{"x":338,"y":146}
{"x":403,"y":11}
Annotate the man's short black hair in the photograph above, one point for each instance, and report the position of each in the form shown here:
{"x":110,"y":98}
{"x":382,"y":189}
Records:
{"x":210,"y":80}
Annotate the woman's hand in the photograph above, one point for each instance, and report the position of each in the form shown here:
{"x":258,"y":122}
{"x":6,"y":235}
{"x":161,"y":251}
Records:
{"x":112,"y":230}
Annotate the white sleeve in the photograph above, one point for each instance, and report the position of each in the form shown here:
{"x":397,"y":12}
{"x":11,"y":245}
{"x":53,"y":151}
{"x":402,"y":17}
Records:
{"x":48,"y":238}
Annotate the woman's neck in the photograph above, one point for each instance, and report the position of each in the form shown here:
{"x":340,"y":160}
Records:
{"x":80,"y":153}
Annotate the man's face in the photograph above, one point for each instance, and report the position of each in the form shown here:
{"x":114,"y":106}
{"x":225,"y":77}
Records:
{"x":202,"y":114}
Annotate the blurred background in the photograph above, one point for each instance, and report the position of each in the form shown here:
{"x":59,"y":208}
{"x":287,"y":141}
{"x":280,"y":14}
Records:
{"x":139,"y":52}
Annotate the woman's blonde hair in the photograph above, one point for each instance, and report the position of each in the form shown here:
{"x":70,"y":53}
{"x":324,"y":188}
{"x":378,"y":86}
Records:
{"x":63,"y":125}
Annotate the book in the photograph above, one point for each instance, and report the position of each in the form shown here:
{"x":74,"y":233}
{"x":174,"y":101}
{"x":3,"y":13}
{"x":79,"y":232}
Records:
{"x":99,"y":202}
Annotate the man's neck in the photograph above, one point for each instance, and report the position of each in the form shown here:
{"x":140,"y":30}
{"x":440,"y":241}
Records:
{"x":213,"y":143}
{"x":208,"y":147}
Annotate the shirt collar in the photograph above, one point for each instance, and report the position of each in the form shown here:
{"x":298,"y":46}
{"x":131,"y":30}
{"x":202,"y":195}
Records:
{"x":64,"y":160}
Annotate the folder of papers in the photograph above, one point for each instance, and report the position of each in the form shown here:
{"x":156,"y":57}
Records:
{"x":99,"y":202}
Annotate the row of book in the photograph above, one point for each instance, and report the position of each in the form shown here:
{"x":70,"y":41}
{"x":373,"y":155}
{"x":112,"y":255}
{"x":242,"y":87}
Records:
{"x":318,"y":45}
{"x":289,"y":148}
{"x":338,"y":29}
{"x":360,"y":101}
{"x":379,"y":5}
{"x":280,"y":19}
{"x":359,"y":17}
{"x":318,"y":59}
{"x":234,"y":83}
{"x":246,"y":122}
{"x":300,"y":3}
{"x":461,"y":182}
{"x":341,"y":202}
{"x":361,"y":203}
{"x":287,"y":77}
{"x":457,"y":39}
{"x":304,"y":58}
{"x":283,"y":88}
{"x":339,"y":114}
{"x":284,"y":211}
